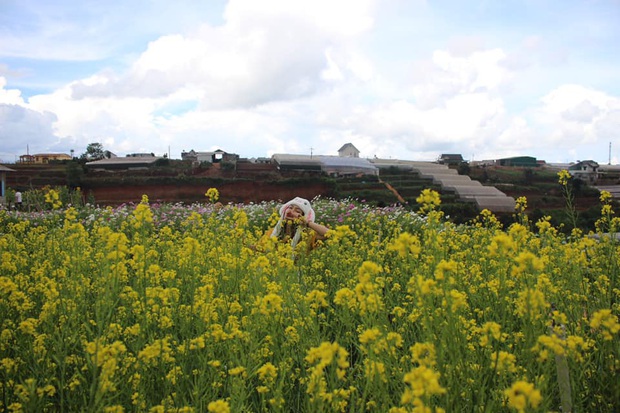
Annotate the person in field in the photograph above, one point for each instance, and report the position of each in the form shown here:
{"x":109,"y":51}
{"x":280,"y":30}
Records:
{"x":297,"y":217}
{"x":18,"y":200}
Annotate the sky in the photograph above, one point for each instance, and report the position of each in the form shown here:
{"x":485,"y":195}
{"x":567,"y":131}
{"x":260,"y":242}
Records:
{"x":399,"y":79}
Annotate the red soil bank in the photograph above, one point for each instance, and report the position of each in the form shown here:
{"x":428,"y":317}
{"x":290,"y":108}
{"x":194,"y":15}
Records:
{"x":235,"y":192}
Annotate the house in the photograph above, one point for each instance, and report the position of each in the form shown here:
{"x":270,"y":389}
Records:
{"x":136,"y":155}
{"x":586,"y":171}
{"x":450,"y":159}
{"x":211,"y":157}
{"x":336,"y":166}
{"x":520,"y":161}
{"x":44,"y":158}
{"x":26,"y":158}
{"x":348,"y":151}
{"x":123,"y":163}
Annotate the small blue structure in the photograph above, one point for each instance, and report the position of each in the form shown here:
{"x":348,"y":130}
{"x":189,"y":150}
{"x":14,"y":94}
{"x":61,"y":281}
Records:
{"x":3,"y":171}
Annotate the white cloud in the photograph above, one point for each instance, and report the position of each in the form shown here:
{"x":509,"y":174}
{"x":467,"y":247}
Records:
{"x":21,"y":126}
{"x":9,"y":96}
{"x":284,"y":76}
{"x":343,"y":17}
{"x":574,"y":114}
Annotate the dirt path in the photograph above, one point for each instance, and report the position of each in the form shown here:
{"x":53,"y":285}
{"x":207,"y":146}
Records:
{"x":394,"y":191}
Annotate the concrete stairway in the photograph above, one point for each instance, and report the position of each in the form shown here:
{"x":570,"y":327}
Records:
{"x":485,"y":197}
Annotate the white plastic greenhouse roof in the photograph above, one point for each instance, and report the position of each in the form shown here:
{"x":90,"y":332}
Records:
{"x":284,"y":158}
{"x":340,"y":161}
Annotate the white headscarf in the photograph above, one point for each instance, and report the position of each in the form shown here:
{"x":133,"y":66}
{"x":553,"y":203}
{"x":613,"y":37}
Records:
{"x":305,"y":206}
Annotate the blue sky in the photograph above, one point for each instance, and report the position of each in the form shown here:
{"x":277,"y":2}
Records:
{"x":404,"y":79}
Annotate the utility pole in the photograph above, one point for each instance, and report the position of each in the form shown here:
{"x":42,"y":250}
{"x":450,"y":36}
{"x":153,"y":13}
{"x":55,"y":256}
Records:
{"x":311,"y":148}
{"x":609,"y":163}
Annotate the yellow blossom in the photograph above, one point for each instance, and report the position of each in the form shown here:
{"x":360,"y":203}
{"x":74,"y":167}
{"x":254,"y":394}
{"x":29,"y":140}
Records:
{"x":213,"y":194}
{"x":422,"y":381}
{"x":429,"y":200}
{"x":522,"y":395}
{"x":317,"y":299}
{"x":267,"y":373}
{"x":423,"y":354}
{"x":605,"y":322}
{"x":563,"y":177}
{"x":218,"y":406}
{"x":521,"y":204}
{"x":237,"y":371}
{"x":406,"y":245}
{"x":503,"y":361}
{"x":532,"y":303}
{"x":269,"y":304}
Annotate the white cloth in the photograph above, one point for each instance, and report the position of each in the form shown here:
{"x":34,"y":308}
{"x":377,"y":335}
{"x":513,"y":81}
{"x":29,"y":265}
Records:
{"x":305,"y":206}
{"x":302,"y":203}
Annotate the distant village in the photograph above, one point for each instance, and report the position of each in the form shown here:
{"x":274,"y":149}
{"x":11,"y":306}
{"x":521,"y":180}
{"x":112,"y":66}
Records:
{"x":346,"y":163}
{"x":444,"y":171}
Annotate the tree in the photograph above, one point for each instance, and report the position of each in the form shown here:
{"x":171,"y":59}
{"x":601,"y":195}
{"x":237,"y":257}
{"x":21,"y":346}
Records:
{"x":528,"y":176}
{"x":75,"y":173}
{"x":94,"y":151}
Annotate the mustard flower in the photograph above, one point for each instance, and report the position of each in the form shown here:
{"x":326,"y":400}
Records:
{"x":218,"y":406}
{"x":325,"y":354}
{"x":341,"y":232}
{"x":142,"y":214}
{"x":521,"y":204}
{"x":421,"y":285}
{"x":487,"y":219}
{"x":159,"y":350}
{"x":544,"y":226}
{"x":317,"y":299}
{"x":406,"y":245}
{"x":531,"y":302}
{"x":445,"y":267}
{"x":345,"y":297}
{"x":370,"y":335}
{"x":423,"y":354}
{"x":522,"y":395}
{"x":375,"y":369}
{"x":28,"y":326}
{"x":47,"y":390}
{"x":458,"y":300}
{"x":502,"y":244}
{"x":490,"y":330}
{"x":605,"y":197}
{"x":422,"y":381}
{"x":429,"y":200}
{"x":174,"y":374}
{"x":213,"y":194}
{"x":269,"y":304}
{"x":503,"y":361}
{"x":8,"y":365}
{"x":563,"y":177}
{"x":238,"y":371}
{"x":267,"y":373}
{"x":576,"y":346}
{"x":53,"y":199}
{"x":291,"y":334}
{"x":606,"y":322}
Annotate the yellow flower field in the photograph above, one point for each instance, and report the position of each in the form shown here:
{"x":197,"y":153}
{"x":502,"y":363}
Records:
{"x":169,"y":308}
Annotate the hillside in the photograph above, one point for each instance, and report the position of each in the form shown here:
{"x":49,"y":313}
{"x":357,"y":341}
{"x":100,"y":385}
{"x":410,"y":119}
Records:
{"x":178,"y":181}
